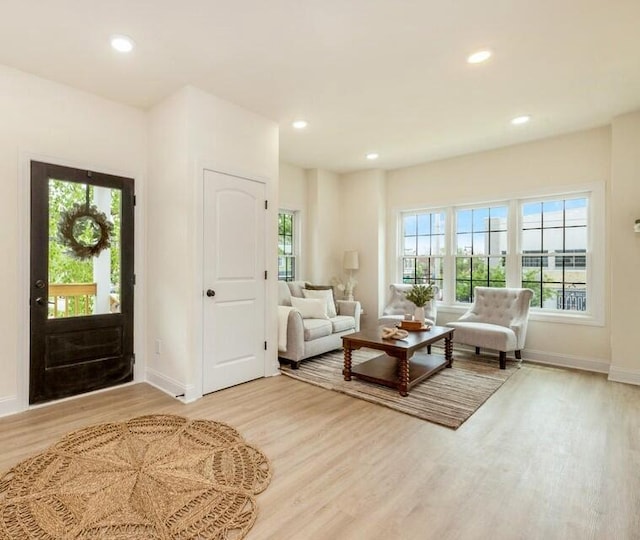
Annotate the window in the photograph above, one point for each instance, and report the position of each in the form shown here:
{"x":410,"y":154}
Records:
{"x":558,"y":229}
{"x":481,"y":247}
{"x":286,"y":246}
{"x":423,"y":236}
{"x":548,"y":244}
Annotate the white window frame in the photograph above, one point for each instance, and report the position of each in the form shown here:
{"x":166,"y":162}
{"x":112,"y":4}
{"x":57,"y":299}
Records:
{"x":453,"y":242}
{"x":296,"y":237}
{"x":400,"y":240}
{"x":595,"y":256}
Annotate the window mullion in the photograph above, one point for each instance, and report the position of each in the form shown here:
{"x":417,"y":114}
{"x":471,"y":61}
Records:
{"x":513,"y":259}
{"x":449,"y":277}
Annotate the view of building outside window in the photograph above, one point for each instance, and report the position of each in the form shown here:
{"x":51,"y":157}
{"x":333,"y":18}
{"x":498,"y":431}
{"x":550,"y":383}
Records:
{"x":553,"y":240}
{"x":554,"y":253}
{"x":286,"y":246}
{"x":481,"y":247}
{"x":424,"y":248}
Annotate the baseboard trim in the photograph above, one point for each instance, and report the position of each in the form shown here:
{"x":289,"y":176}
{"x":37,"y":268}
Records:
{"x":9,"y":405}
{"x":628,"y":376}
{"x":190,"y":394}
{"x":165,"y":384}
{"x":596,"y":365}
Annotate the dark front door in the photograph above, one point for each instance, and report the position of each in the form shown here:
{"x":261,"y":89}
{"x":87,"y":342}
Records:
{"x":82,"y":281}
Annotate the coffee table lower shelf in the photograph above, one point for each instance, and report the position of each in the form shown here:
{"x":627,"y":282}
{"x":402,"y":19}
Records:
{"x":383,"y":369}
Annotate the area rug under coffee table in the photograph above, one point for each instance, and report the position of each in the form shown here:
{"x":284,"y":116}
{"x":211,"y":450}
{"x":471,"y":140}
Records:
{"x":448,"y":398}
{"x":153,"y":477}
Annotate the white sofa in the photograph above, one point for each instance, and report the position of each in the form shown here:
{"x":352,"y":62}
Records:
{"x":307,"y":337}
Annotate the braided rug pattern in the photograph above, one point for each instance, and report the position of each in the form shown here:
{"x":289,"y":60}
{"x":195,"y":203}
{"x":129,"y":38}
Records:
{"x":154,"y":477}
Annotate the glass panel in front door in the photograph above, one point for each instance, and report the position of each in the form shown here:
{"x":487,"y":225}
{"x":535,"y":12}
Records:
{"x":84,"y":249}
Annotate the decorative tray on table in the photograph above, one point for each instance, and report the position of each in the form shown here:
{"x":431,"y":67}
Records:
{"x":414,"y":326}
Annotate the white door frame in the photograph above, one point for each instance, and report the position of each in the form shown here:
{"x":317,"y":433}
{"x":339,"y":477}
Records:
{"x":21,"y":400}
{"x":194,"y":387}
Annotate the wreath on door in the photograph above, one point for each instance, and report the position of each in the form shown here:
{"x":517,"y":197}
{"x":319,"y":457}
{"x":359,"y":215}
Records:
{"x":84,"y":231}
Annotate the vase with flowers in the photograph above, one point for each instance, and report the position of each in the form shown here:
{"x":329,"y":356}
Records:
{"x":345,"y":287}
{"x":420,"y":295}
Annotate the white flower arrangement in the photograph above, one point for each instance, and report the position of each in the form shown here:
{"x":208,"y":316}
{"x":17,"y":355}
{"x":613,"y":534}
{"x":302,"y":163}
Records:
{"x":346,"y":287}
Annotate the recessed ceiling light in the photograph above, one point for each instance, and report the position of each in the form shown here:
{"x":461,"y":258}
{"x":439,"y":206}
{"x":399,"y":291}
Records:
{"x":373,"y":155}
{"x":300,"y":124}
{"x":519,"y":120}
{"x":479,"y":56}
{"x":122,"y":43}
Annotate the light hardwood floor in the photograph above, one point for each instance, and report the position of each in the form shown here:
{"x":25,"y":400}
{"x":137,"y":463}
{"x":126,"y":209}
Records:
{"x":554,"y":454}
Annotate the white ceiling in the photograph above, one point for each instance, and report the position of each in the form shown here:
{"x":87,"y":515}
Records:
{"x":383,"y":75}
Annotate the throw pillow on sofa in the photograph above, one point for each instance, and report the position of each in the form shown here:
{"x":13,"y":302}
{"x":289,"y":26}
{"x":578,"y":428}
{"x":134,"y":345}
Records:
{"x":331,"y":288}
{"x":310,"y":308}
{"x":323,"y":294}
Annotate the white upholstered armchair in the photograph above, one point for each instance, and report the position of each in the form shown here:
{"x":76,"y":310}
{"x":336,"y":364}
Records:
{"x":496,"y":320}
{"x":398,"y":306}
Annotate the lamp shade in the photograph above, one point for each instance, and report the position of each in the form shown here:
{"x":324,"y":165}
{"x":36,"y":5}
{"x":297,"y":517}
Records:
{"x":350,"y":260}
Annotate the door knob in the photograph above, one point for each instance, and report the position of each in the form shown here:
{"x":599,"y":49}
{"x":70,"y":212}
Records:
{"x":41,"y":301}
{"x":211,"y":293}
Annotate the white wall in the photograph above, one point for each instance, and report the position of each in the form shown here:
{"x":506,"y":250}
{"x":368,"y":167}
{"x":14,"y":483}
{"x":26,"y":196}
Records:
{"x":625,"y":248}
{"x":51,"y":122}
{"x":339,"y":213}
{"x":363,"y":210}
{"x":324,"y":226}
{"x":293,"y":187}
{"x":170,"y":201}
{"x":218,"y":135}
{"x":559,"y":162}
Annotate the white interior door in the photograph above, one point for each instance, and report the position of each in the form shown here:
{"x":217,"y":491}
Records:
{"x":234,"y":281}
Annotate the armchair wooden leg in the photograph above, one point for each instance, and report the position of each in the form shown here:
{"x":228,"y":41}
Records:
{"x":503,"y":360}
{"x":477,"y":350}
{"x":295,"y":365}
{"x":519,"y":355}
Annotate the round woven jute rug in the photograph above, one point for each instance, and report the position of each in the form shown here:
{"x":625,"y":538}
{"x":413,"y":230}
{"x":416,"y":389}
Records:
{"x":153,"y":477}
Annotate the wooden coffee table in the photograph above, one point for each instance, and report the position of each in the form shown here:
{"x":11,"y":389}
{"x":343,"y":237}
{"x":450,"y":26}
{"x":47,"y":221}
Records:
{"x":404,"y":362}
